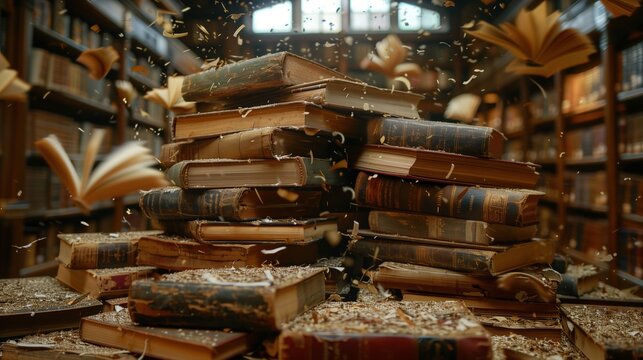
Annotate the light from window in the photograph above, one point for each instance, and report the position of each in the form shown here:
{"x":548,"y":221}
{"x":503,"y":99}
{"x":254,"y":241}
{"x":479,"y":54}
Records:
{"x":321,"y":16}
{"x":275,"y":18}
{"x":411,"y":17}
{"x":370,"y":15}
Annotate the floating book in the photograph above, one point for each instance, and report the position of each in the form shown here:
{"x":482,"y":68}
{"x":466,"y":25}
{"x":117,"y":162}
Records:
{"x":40,"y":304}
{"x":236,"y":298}
{"x":103,"y":283}
{"x":98,"y":61}
{"x":439,"y":166}
{"x":385,"y":330}
{"x":170,"y":97}
{"x":117,"y":330}
{"x":388,"y":59}
{"x":223,"y":173}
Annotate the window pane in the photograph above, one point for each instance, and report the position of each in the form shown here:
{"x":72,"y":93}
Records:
{"x":276,"y":18}
{"x":370,"y":15}
{"x":370,"y":5}
{"x":359,"y":21}
{"x":326,"y":6}
{"x":409,"y":17}
{"x":430,"y":19}
{"x":320,"y":16}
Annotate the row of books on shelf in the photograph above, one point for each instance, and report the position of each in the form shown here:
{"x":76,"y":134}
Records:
{"x":581,"y":91}
{"x":587,"y":235}
{"x":632,"y":68}
{"x":631,"y":191}
{"x":543,"y":147}
{"x":144,"y":66}
{"x":631,"y":134}
{"x":630,"y":251}
{"x":547,"y":184}
{"x":543,"y":106}
{"x":585,"y":143}
{"x":586,"y":189}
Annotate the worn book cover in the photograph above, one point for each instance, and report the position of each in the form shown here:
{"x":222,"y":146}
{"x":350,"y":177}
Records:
{"x":515,"y":346}
{"x":103,"y":283}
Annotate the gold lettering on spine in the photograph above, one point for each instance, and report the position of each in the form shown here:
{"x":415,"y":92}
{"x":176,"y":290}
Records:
{"x":495,"y":207}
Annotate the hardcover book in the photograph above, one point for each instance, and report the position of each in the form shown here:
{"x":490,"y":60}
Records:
{"x":542,"y":329}
{"x":40,"y":304}
{"x":103,"y":283}
{"x":514,"y":346}
{"x":579,"y":280}
{"x":385,"y":330}
{"x":236,"y":298}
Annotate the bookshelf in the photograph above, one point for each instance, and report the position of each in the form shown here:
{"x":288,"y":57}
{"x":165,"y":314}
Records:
{"x":51,"y":35}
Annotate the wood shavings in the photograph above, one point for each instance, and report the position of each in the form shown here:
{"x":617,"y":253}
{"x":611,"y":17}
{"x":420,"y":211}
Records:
{"x":236,"y":32}
{"x":342,"y":164}
{"x":450,"y":171}
{"x":236,"y":16}
{"x":28,"y":245}
{"x":470,"y":79}
{"x":382,"y":139}
{"x":288,"y":195}
{"x":170,"y":35}
{"x":609,"y":326}
{"x":273,"y":251}
{"x":342,"y":137}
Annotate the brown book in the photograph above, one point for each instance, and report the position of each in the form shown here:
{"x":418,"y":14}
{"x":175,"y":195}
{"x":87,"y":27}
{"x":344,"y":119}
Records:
{"x":519,"y":347}
{"x":542,"y":329}
{"x":579,"y":279}
{"x":279,"y":230}
{"x":262,"y":143}
{"x":100,"y":250}
{"x":178,"y":253}
{"x":302,"y":115}
{"x":535,"y":284}
{"x":117,"y":330}
{"x":604,"y":332}
{"x":103,"y":283}
{"x":252,"y":76}
{"x":463,"y":139}
{"x":115,"y":304}
{"x":40,"y":304}
{"x":236,"y":298}
{"x":492,"y":205}
{"x":446,"y":228}
{"x":385,"y":330}
{"x":468,"y":258}
{"x":443,"y":167}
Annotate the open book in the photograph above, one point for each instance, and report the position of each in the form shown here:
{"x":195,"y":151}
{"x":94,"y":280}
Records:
{"x":170,"y":98}
{"x":537,"y":41}
{"x":621,"y":7}
{"x":388,"y":59}
{"x":463,"y":107}
{"x":12,"y":88}
{"x":98,"y":61}
{"x":125,"y":170}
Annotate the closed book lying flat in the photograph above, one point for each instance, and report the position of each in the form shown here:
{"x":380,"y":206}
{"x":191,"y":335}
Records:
{"x":443,"y":167}
{"x":285,"y":230}
{"x":103,"y":283}
{"x":230,"y":204}
{"x":223,"y":173}
{"x":237,"y":298}
{"x":463,"y":139}
{"x":514,"y":346}
{"x":40,"y":304}
{"x":385,"y":330}
{"x":100,"y":250}
{"x":117,"y":330}
{"x":178,"y":253}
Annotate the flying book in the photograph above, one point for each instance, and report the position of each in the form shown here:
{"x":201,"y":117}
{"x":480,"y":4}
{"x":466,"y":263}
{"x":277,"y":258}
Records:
{"x":103,"y":283}
{"x":463,"y":107}
{"x":98,"y":61}
{"x":537,"y":42}
{"x":236,"y":298}
{"x":170,"y":97}
{"x":388,"y":59}
{"x":621,"y":7}
{"x":385,"y":330}
{"x":125,"y":170}
{"x":12,"y":88}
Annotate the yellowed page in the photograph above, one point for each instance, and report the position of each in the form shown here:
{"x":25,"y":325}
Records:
{"x":59,"y":162}
{"x":90,"y":155}
{"x":141,"y":179}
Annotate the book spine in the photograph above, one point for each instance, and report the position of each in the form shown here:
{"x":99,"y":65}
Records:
{"x":177,"y":174}
{"x":103,"y":255}
{"x":111,"y":285}
{"x":305,"y":346}
{"x":176,"y":203}
{"x":453,"y":138}
{"x":498,"y":206}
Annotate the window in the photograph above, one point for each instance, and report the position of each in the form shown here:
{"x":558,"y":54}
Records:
{"x":412,"y":17}
{"x":321,"y":16}
{"x":275,"y":18}
{"x":370,"y":15}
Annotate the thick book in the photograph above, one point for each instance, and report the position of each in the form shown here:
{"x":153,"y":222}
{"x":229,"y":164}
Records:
{"x":523,"y":347}
{"x":40,"y":304}
{"x":232,"y":204}
{"x":302,"y":115}
{"x":447,"y":228}
{"x":261,"y":143}
{"x":103,"y":283}
{"x":535,"y":284}
{"x":237,"y":298}
{"x":179,"y":253}
{"x":100,"y":250}
{"x":117,"y":330}
{"x":385,"y":330}
{"x":545,"y":329}
{"x":492,"y":205}
{"x":604,"y":332}
{"x":579,"y":280}
{"x":443,"y":167}
{"x":270,"y":230}
{"x":463,"y":139}
{"x":468,"y":258}
{"x":224,"y":173}
{"x":252,"y":76}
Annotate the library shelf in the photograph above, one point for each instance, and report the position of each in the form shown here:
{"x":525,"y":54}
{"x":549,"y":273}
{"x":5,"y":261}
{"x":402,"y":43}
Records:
{"x":630,"y":95}
{"x":70,"y":104}
{"x":586,"y":162}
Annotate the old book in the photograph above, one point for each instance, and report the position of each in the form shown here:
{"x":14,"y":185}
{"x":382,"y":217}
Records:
{"x":621,"y":7}
{"x":463,"y":107}
{"x":538,"y":42}
{"x":388,"y":59}
{"x":299,"y":114}
{"x":12,"y":88}
{"x":535,"y":284}
{"x":495,"y":206}
{"x":579,"y":279}
{"x":224,"y":173}
{"x":117,"y":330}
{"x":115,"y":304}
{"x":60,"y":345}
{"x":519,"y":347}
{"x":469,"y":258}
{"x":447,"y":228}
{"x":125,"y":170}
{"x":262,"y":143}
{"x":98,"y":61}
{"x":533,"y":328}
{"x":170,"y":97}
{"x":385,"y":330}
{"x":99,"y":250}
{"x":40,"y":304}
{"x":179,"y":253}
{"x":443,"y":167}
{"x":604,"y":332}
{"x":271,"y":230}
{"x":253,"y":75}
{"x":231,"y":204}
{"x":463,"y":139}
{"x":103,"y":283}
{"x":238,"y":298}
